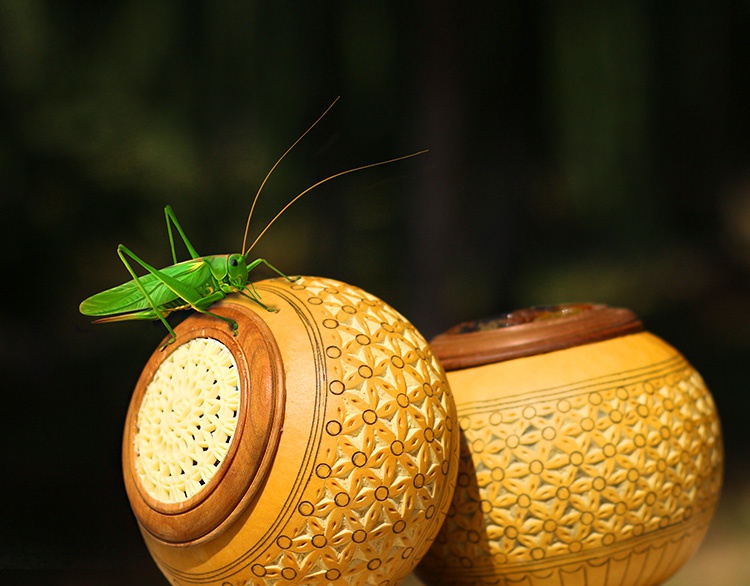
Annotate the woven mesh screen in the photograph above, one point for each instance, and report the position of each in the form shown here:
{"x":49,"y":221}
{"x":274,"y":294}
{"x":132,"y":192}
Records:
{"x":187,"y":420}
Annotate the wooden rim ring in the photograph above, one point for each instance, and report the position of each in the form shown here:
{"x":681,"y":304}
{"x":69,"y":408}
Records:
{"x":248,"y":460}
{"x":531,"y":331}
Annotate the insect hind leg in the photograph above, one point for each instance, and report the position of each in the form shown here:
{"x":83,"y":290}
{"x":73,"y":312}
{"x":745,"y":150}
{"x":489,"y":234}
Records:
{"x":187,"y":293}
{"x":170,"y":215}
{"x":123,"y":250}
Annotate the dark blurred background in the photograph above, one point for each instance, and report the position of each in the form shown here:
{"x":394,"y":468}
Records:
{"x":579,"y":151}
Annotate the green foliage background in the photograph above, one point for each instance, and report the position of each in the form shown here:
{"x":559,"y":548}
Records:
{"x":578,"y":151}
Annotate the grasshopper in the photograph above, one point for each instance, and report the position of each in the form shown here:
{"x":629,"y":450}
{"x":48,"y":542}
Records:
{"x":199,"y":282}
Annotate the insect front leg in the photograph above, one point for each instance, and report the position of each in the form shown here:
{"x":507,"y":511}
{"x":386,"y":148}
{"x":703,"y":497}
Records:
{"x":205,"y":302}
{"x":259,"y":261}
{"x":255,"y":296}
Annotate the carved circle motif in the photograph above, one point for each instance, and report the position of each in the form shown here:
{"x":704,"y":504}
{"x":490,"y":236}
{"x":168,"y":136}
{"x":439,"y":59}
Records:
{"x":380,"y":457}
{"x":388,"y":433}
{"x":579,"y":482}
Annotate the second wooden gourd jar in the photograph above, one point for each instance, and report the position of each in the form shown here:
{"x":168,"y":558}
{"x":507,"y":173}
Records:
{"x":591,"y":452}
{"x":317,"y":446}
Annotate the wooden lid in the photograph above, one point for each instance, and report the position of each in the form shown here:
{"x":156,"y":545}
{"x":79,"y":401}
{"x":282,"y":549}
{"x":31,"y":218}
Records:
{"x":204,"y":456}
{"x":531,"y":331}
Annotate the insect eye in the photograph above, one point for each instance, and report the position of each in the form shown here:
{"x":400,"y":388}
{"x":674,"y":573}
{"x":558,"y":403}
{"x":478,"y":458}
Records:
{"x":233,"y":262}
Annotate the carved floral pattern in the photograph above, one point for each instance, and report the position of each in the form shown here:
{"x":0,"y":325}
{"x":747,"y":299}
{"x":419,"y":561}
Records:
{"x":384,"y":451}
{"x":548,"y":481}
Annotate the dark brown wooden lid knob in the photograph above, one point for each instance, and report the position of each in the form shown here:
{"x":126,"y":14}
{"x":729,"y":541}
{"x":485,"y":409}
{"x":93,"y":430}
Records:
{"x":531,"y":331}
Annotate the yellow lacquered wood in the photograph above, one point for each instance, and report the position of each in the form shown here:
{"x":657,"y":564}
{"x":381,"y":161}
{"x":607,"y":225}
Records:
{"x":367,"y":455}
{"x":555,"y":369}
{"x":594,"y":465}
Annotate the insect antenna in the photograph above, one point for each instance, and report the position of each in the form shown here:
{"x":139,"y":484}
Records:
{"x":321,"y":182}
{"x":276,"y":164}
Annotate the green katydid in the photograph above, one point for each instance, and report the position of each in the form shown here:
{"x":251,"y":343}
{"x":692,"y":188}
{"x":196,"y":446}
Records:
{"x":199,"y":282}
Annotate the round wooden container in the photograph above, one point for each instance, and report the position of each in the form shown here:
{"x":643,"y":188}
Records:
{"x":317,"y":446}
{"x":591,"y":452}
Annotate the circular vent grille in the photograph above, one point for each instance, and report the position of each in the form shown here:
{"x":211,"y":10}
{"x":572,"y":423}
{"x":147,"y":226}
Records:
{"x":187,"y":419}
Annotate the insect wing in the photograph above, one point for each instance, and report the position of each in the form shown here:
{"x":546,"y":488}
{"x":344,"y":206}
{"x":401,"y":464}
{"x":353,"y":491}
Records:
{"x":128,"y":296}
